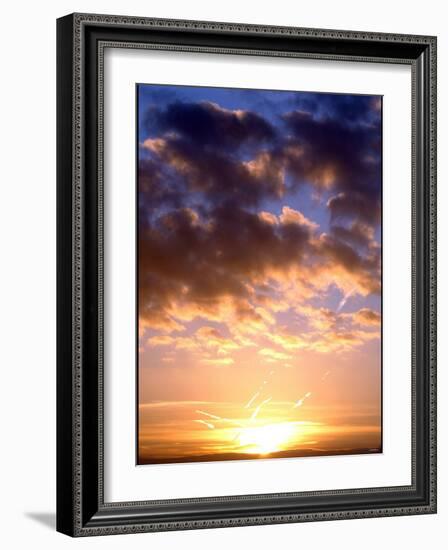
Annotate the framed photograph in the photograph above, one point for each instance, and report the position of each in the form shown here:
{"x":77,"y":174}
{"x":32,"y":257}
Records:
{"x":246,"y":274}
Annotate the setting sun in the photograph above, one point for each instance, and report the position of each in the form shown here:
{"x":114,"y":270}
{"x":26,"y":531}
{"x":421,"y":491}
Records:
{"x":266,"y":439}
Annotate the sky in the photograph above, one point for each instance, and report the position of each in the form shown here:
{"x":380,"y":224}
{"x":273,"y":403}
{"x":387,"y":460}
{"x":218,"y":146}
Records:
{"x":259,"y":273}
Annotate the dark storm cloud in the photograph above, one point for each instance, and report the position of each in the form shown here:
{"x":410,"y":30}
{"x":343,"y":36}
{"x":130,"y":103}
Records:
{"x":358,"y":234}
{"x":363,"y":206}
{"x":183,"y":259}
{"x":338,"y":254}
{"x":218,"y":176}
{"x":208,"y":125}
{"x":349,"y":110}
{"x":342,"y":158}
{"x":219,"y":246}
{"x":157,"y":187}
{"x":204,"y":144}
{"x":344,"y":155}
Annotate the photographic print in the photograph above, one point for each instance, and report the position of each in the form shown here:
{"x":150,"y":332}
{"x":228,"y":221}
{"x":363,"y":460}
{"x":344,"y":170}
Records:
{"x":259,"y":277}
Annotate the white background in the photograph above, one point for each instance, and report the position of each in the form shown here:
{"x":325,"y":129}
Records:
{"x":125,"y":482}
{"x":27,"y":230}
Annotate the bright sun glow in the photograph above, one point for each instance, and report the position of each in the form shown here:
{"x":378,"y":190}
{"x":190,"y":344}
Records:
{"x":267,"y":439}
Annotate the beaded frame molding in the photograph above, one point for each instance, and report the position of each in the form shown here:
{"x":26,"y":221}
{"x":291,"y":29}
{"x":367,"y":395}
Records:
{"x":81,"y":40}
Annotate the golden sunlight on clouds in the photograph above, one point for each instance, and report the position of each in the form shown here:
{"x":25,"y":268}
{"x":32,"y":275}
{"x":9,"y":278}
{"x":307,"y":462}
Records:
{"x":218,"y":362}
{"x":273,"y":354}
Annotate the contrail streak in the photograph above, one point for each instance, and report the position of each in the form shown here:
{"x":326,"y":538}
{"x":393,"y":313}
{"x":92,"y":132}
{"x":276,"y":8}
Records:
{"x":299,"y":403}
{"x":208,"y":424}
{"x":209,"y":415}
{"x":344,"y":300}
{"x":257,"y":410}
{"x":251,"y":400}
{"x":215,"y":417}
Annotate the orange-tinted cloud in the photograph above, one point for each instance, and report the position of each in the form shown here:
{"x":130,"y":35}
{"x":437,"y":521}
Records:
{"x":273,"y":354}
{"x":218,"y":362}
{"x":366,"y":316}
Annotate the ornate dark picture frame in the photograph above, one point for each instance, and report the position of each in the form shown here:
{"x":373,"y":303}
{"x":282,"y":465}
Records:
{"x":81,"y":509}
